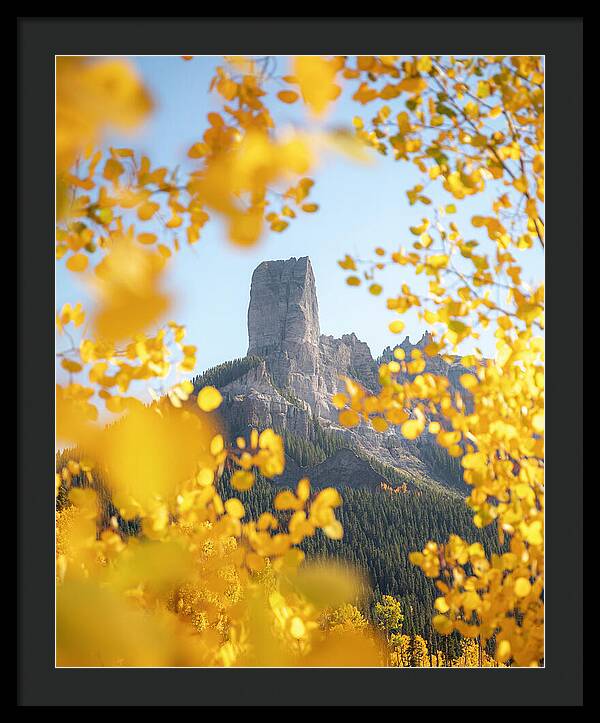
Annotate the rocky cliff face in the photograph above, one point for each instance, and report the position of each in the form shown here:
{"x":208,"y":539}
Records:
{"x":299,"y":371}
{"x":283,"y":309}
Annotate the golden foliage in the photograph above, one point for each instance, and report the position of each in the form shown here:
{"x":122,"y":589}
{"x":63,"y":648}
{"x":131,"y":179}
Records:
{"x":90,"y":97}
{"x":473,"y":124}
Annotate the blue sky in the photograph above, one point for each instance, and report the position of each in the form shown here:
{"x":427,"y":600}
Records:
{"x":361,"y":207}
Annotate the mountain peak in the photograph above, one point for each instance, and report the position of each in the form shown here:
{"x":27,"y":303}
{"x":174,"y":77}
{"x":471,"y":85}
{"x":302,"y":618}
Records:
{"x":283,"y":306}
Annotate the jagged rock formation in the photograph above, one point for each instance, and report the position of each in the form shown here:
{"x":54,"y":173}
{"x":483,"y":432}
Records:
{"x":297,"y":372}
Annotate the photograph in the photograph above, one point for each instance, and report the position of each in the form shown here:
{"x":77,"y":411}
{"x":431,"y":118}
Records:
{"x":299,"y":361}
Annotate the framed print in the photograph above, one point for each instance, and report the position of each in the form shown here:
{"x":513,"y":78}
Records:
{"x":294,"y":318}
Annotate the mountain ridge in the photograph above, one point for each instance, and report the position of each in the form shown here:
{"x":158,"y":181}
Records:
{"x":291,"y":371}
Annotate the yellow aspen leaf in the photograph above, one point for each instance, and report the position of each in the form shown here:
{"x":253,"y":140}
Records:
{"x":217,"y":444}
{"x":315,"y":76}
{"x":483,"y":89}
{"x":174,"y":222}
{"x":424,"y":64}
{"x":416,"y":558}
{"x":209,"y":399}
{"x":205,"y":477}
{"x":396,"y":415}
{"x":147,"y":210}
{"x":288,"y":96}
{"x":379,"y":424}
{"x":413,"y":85}
{"x":242,"y":480}
{"x":77,"y":263}
{"x":522,"y":587}
{"x":347,"y":263}
{"x":334,"y":530}
{"x":416,"y":366}
{"x":349,"y":418}
{"x":531,"y":209}
{"x":339,"y":400}
{"x":469,"y":381}
{"x":438,"y":261}
{"x":310,"y":207}
{"x":353,"y":281}
{"x":503,"y":651}
{"x":303,"y":489}
{"x":411,"y":429}
{"x":533,"y":533}
{"x":287,"y":500}
{"x":441,"y":605}
{"x":365,"y":94}
{"x":442,"y":624}
{"x":396,"y":327}
{"x":198,"y":150}
{"x":365,"y":62}
{"x":245,"y":228}
{"x":71,"y":366}
{"x":521,"y":184}
{"x":526,"y":311}
{"x":375,"y":289}
{"x":279,"y":225}
{"x":328,"y":497}
{"x":146,"y":238}
{"x":92,"y":94}
{"x":475,"y":460}
{"x":447,"y":439}
{"x":297,"y":628}
{"x":112,"y":170}
{"x":235,"y":508}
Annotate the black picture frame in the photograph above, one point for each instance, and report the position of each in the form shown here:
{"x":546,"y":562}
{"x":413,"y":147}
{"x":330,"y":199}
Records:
{"x":39,"y":682}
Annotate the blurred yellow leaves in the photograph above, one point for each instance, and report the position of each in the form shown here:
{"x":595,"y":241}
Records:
{"x":242,"y":481}
{"x":77,"y":263}
{"x":120,"y":634}
{"x":166,"y":594}
{"x":70,"y":315}
{"x":246,"y":171}
{"x":74,"y":413}
{"x":148,"y":455}
{"x":209,"y":399}
{"x":91,"y":96}
{"x":315,"y":76}
{"x":349,"y":418}
{"x":130,"y":299}
{"x":412,"y":428}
